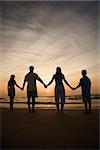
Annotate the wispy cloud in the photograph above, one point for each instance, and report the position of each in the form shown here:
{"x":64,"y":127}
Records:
{"x":47,"y":34}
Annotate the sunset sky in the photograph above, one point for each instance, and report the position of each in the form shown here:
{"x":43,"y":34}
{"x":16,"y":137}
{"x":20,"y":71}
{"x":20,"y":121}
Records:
{"x":47,"y":35}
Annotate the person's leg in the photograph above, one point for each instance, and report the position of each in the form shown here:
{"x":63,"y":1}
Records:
{"x":57,"y":104}
{"x":57,"y":99}
{"x":57,"y":108}
{"x":85,"y":103}
{"x":89,"y":105}
{"x":33,"y":104}
{"x":62,"y":106}
{"x":28,"y":101}
{"x":11,"y":103}
{"x":62,"y":99}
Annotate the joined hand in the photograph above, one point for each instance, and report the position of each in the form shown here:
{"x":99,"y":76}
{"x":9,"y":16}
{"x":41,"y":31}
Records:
{"x":74,"y":88}
{"x":22,"y":88}
{"x":45,"y":86}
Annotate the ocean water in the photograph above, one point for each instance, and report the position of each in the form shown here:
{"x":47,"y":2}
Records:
{"x":45,"y":102}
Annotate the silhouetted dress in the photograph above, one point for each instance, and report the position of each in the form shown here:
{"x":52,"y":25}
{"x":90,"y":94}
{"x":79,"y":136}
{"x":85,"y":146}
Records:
{"x":85,"y":84}
{"x":31,"y":84}
{"x":59,"y":88}
{"x":11,"y":89}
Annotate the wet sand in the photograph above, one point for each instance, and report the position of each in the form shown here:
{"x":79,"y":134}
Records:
{"x":45,"y":129}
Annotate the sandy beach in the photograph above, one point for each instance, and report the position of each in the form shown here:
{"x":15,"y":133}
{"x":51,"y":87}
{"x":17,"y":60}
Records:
{"x":45,"y":129}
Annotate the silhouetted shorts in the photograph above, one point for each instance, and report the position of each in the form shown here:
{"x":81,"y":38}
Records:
{"x":60,"y":94}
{"x":31,"y":94}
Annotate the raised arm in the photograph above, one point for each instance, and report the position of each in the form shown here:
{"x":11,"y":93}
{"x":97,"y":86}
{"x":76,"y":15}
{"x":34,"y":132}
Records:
{"x":18,"y":85}
{"x":67,"y":82}
{"x":24,"y":83}
{"x":51,"y":81}
{"x":77,"y":85}
{"x":39,"y":79}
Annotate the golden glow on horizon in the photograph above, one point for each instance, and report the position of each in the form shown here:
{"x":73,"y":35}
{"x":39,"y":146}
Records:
{"x":73,"y":81}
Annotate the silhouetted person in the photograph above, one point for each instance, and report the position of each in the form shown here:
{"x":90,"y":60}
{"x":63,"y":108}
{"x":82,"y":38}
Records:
{"x":85,"y":85}
{"x":31,"y":78}
{"x":59,"y":88}
{"x":11,"y":90}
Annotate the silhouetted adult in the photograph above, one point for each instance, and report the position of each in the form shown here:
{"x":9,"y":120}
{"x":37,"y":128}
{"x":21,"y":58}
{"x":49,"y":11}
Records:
{"x":59,"y":88}
{"x":11,"y":90}
{"x":31,"y":78}
{"x":85,"y":85}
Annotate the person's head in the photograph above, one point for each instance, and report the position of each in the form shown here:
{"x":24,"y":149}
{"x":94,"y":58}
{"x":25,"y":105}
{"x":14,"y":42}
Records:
{"x":31,"y":68}
{"x":84,"y":72}
{"x":12,"y":77}
{"x":58,"y":70}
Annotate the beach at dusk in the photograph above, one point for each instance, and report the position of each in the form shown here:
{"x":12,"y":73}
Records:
{"x":49,"y":75}
{"x":45,"y":129}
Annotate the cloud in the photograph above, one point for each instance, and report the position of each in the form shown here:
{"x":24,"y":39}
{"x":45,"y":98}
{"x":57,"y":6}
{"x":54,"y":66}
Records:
{"x":49,"y":34}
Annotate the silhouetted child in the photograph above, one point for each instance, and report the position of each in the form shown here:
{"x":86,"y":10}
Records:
{"x":11,"y":90}
{"x":59,"y":88}
{"x":85,"y":85}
